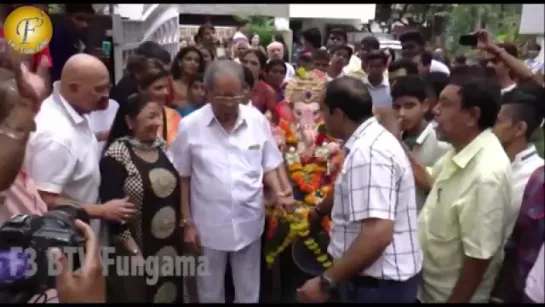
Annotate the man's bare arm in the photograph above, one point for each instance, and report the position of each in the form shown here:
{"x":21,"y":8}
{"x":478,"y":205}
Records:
{"x":53,"y":200}
{"x":370,"y":243}
{"x":12,"y":152}
{"x":272,"y":181}
{"x":283,"y":179}
{"x":470,"y":278}
{"x":185,"y":197}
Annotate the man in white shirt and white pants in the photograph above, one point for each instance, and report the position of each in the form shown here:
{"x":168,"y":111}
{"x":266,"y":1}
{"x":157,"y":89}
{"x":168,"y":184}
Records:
{"x":224,"y":151}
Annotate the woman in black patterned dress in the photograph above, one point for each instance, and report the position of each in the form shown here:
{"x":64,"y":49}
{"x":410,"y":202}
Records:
{"x":135,"y":165}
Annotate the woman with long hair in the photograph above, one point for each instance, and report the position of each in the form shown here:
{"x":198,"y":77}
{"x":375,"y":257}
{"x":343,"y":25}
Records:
{"x":263,"y":95}
{"x":135,"y":166}
{"x":153,"y":78}
{"x":186,"y":64}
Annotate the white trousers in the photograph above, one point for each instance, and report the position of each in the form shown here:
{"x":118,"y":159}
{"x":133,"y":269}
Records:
{"x":246,"y":270}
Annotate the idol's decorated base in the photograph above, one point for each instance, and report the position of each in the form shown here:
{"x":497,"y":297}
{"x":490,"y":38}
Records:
{"x":312,"y":159}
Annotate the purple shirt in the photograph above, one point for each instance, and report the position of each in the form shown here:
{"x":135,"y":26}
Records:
{"x":529,"y":231}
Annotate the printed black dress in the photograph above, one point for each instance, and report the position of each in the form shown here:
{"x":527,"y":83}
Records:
{"x":154,"y":188}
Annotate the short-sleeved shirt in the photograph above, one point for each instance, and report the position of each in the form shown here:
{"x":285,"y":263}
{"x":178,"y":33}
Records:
{"x":21,"y":197}
{"x":61,"y":154}
{"x":380,"y":94}
{"x":376,"y":181}
{"x":529,"y":229}
{"x":226,"y":170}
{"x":535,"y":284}
{"x":466,"y":214}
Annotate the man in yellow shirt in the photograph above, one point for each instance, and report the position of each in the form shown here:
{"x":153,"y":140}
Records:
{"x":464,"y":223}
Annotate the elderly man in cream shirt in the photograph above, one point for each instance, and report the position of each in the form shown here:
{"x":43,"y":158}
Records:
{"x":224,"y":151}
{"x":465,"y":221}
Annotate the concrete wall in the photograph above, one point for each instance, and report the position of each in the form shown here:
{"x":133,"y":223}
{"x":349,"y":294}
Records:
{"x":531,"y":20}
{"x":273,"y":10}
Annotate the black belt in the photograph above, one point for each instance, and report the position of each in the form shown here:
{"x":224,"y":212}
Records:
{"x":368,"y":281}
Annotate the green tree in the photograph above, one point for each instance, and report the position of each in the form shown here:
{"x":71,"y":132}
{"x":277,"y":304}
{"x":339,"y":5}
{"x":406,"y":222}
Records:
{"x":502,"y":20}
{"x":55,"y":8}
{"x":412,"y":15}
{"x":262,"y":26}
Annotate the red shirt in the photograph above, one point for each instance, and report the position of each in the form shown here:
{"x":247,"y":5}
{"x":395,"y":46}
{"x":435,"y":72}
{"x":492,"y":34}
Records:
{"x":264,"y":97}
{"x":31,"y":60}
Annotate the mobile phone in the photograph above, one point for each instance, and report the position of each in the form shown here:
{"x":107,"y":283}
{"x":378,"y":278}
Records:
{"x":468,"y":40}
{"x":107,"y":47}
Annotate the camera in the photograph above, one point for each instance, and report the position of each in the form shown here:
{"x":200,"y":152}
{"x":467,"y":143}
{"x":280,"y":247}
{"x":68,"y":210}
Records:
{"x":23,"y":275}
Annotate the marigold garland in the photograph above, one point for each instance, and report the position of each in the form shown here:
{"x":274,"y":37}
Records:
{"x":310,"y":177}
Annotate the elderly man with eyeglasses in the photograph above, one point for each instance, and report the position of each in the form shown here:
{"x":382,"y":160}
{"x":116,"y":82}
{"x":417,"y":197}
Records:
{"x":224,"y":152}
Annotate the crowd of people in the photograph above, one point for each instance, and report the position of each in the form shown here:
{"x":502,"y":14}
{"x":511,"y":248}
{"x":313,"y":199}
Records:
{"x":440,"y":197}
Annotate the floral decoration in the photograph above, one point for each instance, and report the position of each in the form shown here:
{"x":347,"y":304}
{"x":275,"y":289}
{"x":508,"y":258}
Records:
{"x":312,"y":180}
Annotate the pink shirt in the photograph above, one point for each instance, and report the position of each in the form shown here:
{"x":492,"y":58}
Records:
{"x":21,"y":197}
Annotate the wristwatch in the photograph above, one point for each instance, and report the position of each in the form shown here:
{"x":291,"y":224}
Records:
{"x":327,"y":285}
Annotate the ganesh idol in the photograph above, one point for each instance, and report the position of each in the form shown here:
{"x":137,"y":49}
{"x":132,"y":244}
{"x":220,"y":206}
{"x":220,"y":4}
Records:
{"x":298,"y":126}
{"x":313,"y":159}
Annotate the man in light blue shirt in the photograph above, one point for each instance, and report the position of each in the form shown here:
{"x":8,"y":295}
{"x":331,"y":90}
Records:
{"x":377,"y":85}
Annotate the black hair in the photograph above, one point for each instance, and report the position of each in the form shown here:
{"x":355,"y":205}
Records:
{"x":467,"y":71}
{"x":426,"y":57}
{"x":523,"y":107}
{"x":248,"y":77}
{"x":344,"y":47}
{"x":176,"y":68}
{"x":195,"y":79}
{"x":272,"y":63}
{"x":370,"y":41}
{"x":262,"y":58}
{"x":534,"y":46}
{"x":409,"y":66}
{"x":460,"y":60}
{"x":437,"y":81}
{"x":201,"y":30}
{"x":146,"y":71}
{"x":242,"y":22}
{"x":391,"y":53}
{"x":134,"y":105}
{"x":313,"y":37}
{"x":74,"y":8}
{"x":150,"y":49}
{"x":535,"y":89}
{"x":320,"y":55}
{"x":351,"y":96}
{"x":482,"y":93}
{"x":411,"y":86}
{"x":376,"y":55}
{"x":339,"y":32}
{"x":412,"y":36}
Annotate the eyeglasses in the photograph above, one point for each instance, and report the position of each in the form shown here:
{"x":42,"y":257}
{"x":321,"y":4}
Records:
{"x":228,"y":99}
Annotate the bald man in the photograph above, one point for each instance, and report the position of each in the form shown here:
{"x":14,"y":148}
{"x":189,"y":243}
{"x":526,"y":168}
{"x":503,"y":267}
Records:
{"x":275,"y":51}
{"x":61,"y":155}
